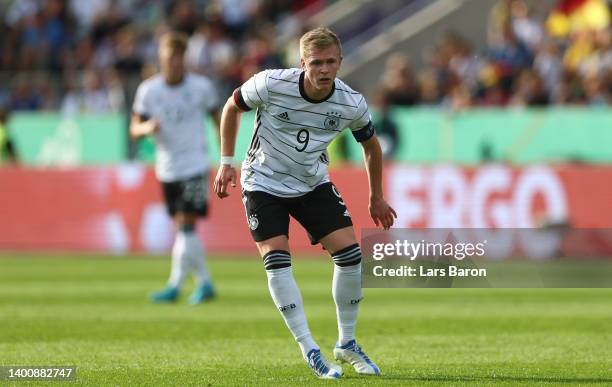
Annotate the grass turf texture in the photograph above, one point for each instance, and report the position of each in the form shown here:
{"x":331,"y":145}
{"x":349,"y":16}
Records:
{"x":93,"y":313}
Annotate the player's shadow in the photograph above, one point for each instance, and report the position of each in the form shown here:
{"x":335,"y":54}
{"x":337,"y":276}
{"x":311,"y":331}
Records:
{"x":497,"y":378}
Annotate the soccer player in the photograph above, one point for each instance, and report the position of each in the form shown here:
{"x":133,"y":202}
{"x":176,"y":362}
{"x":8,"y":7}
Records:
{"x":298,"y":113}
{"x":171,"y":107}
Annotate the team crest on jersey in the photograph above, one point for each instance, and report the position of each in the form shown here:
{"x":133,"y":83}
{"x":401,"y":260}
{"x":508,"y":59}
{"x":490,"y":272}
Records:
{"x":253,"y":222}
{"x":332,"y":121}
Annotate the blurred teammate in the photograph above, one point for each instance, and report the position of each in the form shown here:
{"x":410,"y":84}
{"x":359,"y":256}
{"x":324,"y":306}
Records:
{"x":299,"y":112}
{"x":171,"y":107}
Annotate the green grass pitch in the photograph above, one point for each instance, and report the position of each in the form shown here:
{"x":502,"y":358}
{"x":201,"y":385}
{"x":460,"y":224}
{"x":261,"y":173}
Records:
{"x":93,"y":312}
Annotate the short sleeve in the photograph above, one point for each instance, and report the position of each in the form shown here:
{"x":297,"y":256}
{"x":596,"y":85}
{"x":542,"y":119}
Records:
{"x":361,"y":127}
{"x":140,"y":105}
{"x":253,"y":93}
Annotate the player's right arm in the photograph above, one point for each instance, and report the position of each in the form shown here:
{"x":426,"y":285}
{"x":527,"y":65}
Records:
{"x":140,"y":126}
{"x":228,"y":130}
{"x":252,"y":94}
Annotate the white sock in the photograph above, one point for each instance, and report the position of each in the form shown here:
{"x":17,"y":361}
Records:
{"x":180,"y":260}
{"x":307,"y":344}
{"x":288,"y":300}
{"x":197,"y":257}
{"x":347,"y":293}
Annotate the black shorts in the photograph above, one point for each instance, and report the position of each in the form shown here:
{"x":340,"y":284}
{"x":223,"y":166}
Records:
{"x":189,"y":196}
{"x":320,"y":212}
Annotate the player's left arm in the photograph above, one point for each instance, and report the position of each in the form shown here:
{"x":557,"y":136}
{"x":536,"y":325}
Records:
{"x":380,"y":211}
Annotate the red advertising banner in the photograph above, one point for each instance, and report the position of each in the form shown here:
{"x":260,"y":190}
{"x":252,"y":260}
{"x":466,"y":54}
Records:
{"x":119,"y":209}
{"x":498,"y":196}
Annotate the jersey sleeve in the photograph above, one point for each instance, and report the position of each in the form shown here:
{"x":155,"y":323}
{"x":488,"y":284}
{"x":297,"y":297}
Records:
{"x":361,"y":127}
{"x":253,"y":93}
{"x":141,"y":106}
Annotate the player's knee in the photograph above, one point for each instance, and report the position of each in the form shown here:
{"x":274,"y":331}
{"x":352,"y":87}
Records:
{"x":185,"y":221}
{"x":348,"y":256}
{"x":276,"y":259}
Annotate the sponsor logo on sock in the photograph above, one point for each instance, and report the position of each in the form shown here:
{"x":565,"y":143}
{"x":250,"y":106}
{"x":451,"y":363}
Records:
{"x":287,"y":307}
{"x":357,"y":301}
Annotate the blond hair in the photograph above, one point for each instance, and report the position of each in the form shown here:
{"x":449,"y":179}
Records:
{"x":318,"y":39}
{"x":174,"y":40}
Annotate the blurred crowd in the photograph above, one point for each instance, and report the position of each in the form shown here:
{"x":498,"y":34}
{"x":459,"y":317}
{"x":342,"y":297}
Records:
{"x":89,"y":55}
{"x":535,"y":56}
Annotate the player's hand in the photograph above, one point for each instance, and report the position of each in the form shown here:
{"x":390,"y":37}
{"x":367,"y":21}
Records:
{"x":225,"y":175}
{"x":382,"y":214}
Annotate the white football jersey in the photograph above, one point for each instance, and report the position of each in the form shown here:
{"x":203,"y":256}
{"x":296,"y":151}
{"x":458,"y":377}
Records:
{"x":181,"y":143}
{"x":287,"y":156}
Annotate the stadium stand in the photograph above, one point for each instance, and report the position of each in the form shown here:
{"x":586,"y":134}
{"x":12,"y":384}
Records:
{"x":533,"y":57}
{"x":62,"y":50}
{"x":52,"y":49}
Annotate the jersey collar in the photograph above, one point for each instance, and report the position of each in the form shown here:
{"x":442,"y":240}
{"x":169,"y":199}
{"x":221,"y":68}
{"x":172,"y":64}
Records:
{"x":176,"y":85}
{"x":307,"y":98}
